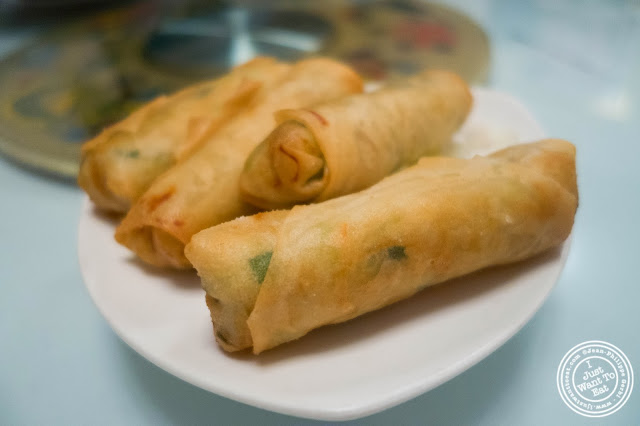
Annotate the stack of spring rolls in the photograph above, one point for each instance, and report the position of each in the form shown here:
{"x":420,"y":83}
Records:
{"x":363,"y":211}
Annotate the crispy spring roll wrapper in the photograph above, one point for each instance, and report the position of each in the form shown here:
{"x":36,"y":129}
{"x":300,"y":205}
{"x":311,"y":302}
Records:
{"x":233,"y":267}
{"x":120,"y":163}
{"x":274,"y":277}
{"x":346,"y":145}
{"x":202,"y":189}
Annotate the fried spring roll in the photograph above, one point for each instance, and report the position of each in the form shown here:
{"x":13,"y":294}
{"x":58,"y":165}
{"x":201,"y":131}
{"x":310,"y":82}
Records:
{"x":274,"y":277}
{"x":343,"y":146}
{"x":120,"y":163}
{"x":202,"y":189}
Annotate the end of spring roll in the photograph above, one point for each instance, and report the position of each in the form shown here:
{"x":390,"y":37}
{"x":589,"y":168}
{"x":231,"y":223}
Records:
{"x":243,"y":250}
{"x":329,"y":262}
{"x":343,"y":146}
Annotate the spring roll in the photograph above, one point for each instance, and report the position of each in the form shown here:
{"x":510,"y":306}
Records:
{"x":202,"y":189}
{"x":120,"y":163}
{"x":343,"y":146}
{"x":274,"y":277}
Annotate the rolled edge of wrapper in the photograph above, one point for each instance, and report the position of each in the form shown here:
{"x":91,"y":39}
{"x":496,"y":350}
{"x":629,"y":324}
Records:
{"x":274,"y":167}
{"x":153,"y":245}
{"x":158,"y":240}
{"x":95,"y":184}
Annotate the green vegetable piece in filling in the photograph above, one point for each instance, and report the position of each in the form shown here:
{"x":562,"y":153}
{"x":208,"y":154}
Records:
{"x":260,"y":264}
{"x":396,"y":253}
{"x":134,"y":153}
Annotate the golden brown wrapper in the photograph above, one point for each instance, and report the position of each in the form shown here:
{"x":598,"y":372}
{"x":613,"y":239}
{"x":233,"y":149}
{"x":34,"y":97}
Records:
{"x":120,"y":163}
{"x":202,"y":189}
{"x":329,"y":262}
{"x":348,"y":144}
{"x":233,"y":262}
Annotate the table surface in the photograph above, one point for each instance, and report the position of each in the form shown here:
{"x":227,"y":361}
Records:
{"x":576,"y":67}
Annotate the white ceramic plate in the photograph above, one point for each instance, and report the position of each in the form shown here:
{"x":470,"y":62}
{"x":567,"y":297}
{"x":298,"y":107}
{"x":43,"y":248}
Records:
{"x":338,"y":372}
